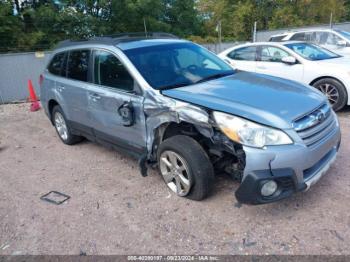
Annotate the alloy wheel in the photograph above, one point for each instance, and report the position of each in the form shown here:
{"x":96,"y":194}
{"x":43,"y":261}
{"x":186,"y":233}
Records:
{"x":175,"y":172}
{"x":330,"y":91}
{"x":61,"y":126}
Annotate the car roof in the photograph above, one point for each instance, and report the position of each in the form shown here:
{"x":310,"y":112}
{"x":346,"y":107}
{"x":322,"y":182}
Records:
{"x":303,"y":31}
{"x":268,"y":43}
{"x":124,"y":41}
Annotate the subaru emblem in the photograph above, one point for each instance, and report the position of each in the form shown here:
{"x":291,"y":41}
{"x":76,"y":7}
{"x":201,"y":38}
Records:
{"x":320,"y":116}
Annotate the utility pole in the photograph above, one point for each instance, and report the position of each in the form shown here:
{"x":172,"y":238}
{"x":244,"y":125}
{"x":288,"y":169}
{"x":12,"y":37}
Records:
{"x":254,"y":32}
{"x":144,"y":25}
{"x":331,"y":21}
{"x":218,"y":29}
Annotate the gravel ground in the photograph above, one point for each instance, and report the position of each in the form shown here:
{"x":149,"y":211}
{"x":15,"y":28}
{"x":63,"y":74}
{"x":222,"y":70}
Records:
{"x":113,"y":210}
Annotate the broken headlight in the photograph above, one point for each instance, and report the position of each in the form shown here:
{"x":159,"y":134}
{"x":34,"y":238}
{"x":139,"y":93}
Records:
{"x":249,"y":133}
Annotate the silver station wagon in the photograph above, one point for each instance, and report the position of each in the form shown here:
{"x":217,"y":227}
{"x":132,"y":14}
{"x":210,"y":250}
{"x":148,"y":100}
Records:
{"x":176,"y":106}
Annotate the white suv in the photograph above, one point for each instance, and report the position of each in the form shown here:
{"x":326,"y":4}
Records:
{"x":335,"y":40}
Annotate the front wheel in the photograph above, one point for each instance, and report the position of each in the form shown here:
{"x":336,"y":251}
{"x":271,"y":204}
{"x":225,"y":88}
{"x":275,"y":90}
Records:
{"x":334,"y":91}
{"x":185,"y":167}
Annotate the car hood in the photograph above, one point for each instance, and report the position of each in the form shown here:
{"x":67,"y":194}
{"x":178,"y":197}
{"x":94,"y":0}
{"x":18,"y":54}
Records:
{"x":264,"y":99}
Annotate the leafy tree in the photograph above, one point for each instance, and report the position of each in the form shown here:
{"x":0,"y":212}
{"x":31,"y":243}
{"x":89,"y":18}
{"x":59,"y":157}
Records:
{"x":27,"y":25}
{"x":10,"y":27}
{"x":183,"y":17}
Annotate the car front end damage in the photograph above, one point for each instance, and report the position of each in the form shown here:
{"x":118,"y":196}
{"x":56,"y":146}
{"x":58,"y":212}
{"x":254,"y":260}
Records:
{"x":266,"y":174}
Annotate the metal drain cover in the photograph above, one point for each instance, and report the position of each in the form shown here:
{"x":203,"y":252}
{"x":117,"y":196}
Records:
{"x":55,"y":197}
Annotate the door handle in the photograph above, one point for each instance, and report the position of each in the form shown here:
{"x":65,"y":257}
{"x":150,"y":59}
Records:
{"x":95,"y":96}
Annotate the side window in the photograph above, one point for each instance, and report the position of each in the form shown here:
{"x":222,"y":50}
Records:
{"x":277,"y":38}
{"x":321,"y":38}
{"x":298,"y":37}
{"x":56,"y":64}
{"x":308,"y":36}
{"x":272,"y":54}
{"x":245,"y":53}
{"x":333,"y":39}
{"x":78,"y":65}
{"x":109,"y":71}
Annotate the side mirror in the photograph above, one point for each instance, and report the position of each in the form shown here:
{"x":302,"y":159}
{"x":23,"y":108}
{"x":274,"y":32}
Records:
{"x":290,"y":60}
{"x":341,"y":43}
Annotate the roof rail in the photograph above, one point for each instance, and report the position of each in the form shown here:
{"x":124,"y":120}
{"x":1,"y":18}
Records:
{"x":118,"y":38}
{"x":143,"y":34}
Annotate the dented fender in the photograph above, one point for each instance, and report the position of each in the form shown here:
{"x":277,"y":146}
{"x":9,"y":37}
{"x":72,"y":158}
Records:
{"x":160,"y":110}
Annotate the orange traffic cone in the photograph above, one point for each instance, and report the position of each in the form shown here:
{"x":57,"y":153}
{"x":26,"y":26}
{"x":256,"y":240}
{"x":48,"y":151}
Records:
{"x":35,"y":105}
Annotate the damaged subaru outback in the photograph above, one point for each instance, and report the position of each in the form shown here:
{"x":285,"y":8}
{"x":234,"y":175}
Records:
{"x":174,"y":105}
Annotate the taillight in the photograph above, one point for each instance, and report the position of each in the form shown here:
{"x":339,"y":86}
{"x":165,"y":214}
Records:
{"x":41,"y":80}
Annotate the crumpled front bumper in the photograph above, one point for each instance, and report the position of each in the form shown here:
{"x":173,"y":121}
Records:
{"x":293,"y":167}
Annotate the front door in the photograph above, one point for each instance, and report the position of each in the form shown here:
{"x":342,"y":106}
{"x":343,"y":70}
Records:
{"x":270,"y":63}
{"x":115,"y":104}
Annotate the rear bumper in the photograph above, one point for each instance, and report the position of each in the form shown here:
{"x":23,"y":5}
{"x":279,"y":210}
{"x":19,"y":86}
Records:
{"x":294,"y":168}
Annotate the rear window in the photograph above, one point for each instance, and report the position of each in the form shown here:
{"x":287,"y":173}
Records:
{"x":56,"y":64}
{"x":78,"y":65}
{"x":298,"y":37}
{"x":277,"y":38}
{"x":245,"y":53}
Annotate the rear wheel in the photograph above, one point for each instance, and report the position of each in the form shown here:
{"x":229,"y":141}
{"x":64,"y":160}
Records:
{"x":62,"y":127}
{"x":185,"y":167}
{"x":334,"y":90}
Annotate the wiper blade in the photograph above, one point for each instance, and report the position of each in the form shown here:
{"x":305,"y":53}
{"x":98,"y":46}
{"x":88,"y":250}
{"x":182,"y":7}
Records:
{"x":174,"y":86}
{"x":216,"y":76}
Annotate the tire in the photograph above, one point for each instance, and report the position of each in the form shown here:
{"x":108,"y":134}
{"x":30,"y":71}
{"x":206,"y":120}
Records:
{"x":193,"y":164}
{"x":64,"y":133}
{"x":334,"y":90}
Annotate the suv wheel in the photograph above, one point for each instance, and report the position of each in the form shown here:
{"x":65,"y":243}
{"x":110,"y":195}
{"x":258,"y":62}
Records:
{"x":185,"y":167}
{"x":62,"y":127}
{"x":334,"y":90}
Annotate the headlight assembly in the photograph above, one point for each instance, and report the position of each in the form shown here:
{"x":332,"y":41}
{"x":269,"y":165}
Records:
{"x":249,"y":133}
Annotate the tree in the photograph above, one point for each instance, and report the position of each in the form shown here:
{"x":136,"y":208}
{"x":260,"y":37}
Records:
{"x":10,"y":27}
{"x":28,"y":25}
{"x":183,"y":17}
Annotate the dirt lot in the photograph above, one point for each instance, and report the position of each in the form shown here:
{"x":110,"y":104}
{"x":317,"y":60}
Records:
{"x":113,"y":210}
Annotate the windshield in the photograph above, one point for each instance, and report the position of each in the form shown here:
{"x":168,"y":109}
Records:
{"x":344,"y":34}
{"x":174,"y":65}
{"x":311,"y":52}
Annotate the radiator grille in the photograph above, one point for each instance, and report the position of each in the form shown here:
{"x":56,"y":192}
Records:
{"x":315,"y":126}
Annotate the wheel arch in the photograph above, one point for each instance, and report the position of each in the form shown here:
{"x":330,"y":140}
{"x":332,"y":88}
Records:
{"x":324,"y":77}
{"x":336,"y":79}
{"x":51,"y":104}
{"x":173,"y":128}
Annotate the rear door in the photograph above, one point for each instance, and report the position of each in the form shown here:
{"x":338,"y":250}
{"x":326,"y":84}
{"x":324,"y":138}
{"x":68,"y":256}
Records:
{"x":73,"y":89}
{"x":53,"y":75}
{"x":270,"y":63}
{"x":115,"y":104}
{"x":243,"y":58}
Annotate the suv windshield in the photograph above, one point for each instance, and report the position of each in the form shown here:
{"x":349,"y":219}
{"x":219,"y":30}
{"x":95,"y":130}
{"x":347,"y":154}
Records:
{"x":311,"y":52}
{"x":174,"y":65}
